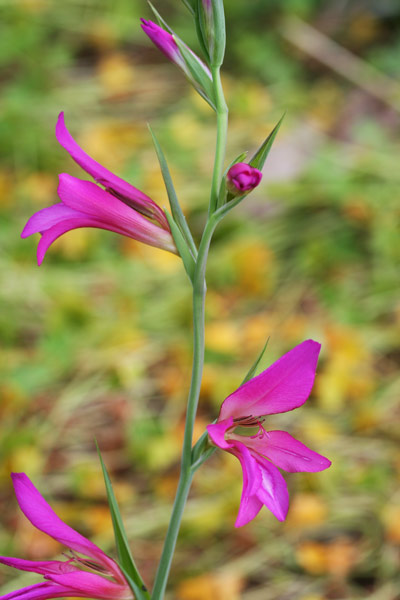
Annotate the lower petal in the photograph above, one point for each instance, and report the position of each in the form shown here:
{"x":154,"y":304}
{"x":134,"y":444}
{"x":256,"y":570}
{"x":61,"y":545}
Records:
{"x":38,"y":566}
{"x":51,"y":235}
{"x":289,"y":454}
{"x":273,"y":491}
{"x":250,"y":504}
{"x":41,"y":591}
{"x":91,"y":585}
{"x":48,"y":217}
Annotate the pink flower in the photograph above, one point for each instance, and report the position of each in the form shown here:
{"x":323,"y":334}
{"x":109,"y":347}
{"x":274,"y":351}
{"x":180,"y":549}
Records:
{"x":97,"y":576}
{"x":119,"y":207}
{"x":242,"y":178}
{"x":284,"y":386}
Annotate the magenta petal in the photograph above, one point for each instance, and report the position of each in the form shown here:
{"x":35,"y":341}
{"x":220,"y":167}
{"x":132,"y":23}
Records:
{"x":38,"y":566}
{"x":47,"y":217}
{"x":51,"y":235}
{"x":90,"y":584}
{"x":40,"y":591}
{"x":134,"y":196}
{"x":250,"y":504}
{"x":43,"y":517}
{"x":163,"y":40}
{"x":217,"y":431}
{"x":287,"y":453}
{"x":88,"y":198}
{"x":273,"y":490}
{"x":285,"y":385}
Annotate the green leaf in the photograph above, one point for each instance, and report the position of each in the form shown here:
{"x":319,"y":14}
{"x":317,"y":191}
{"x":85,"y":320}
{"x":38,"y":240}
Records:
{"x":254,"y":366}
{"x":176,"y":210}
{"x":259,"y":158}
{"x":181,"y":244}
{"x":161,"y":21}
{"x":126,"y":561}
{"x":189,"y":5}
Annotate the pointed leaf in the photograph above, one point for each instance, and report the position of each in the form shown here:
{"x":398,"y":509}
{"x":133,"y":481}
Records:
{"x":161,"y":21}
{"x":254,"y":366}
{"x":259,"y":158}
{"x":176,"y":210}
{"x":189,"y":5}
{"x":183,"y":248}
{"x":126,"y":561}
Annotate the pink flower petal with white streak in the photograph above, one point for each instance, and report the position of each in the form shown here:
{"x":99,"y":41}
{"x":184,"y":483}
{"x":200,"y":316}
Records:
{"x":284,"y":386}
{"x":131,"y":194}
{"x":287,"y":453}
{"x":262,"y":485}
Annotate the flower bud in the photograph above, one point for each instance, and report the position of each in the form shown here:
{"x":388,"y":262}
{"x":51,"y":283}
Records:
{"x":242,"y":178}
{"x":164,"y":41}
{"x":212,"y":26}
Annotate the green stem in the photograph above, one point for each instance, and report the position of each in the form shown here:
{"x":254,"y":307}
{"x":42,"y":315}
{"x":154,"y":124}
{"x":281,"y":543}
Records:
{"x":199,"y":294}
{"x":222,"y":130}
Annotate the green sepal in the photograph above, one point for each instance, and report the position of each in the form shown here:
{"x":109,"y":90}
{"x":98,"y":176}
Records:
{"x":259,"y":158}
{"x":126,"y":561}
{"x":211,"y":30}
{"x":201,"y":80}
{"x":176,"y":210}
{"x":254,"y":366}
{"x":183,"y":248}
{"x":200,"y":30}
{"x":201,"y":451}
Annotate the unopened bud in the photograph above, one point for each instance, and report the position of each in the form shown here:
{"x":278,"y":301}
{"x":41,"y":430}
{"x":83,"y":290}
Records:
{"x":242,"y":178}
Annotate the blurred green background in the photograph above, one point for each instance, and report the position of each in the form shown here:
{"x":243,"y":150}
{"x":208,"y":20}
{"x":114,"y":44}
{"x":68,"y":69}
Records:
{"x":97,"y":341}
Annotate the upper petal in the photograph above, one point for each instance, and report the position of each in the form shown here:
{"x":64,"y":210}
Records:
{"x":273,"y":490}
{"x":43,"y":517}
{"x":285,"y":385}
{"x":287,"y":453}
{"x":105,"y":177}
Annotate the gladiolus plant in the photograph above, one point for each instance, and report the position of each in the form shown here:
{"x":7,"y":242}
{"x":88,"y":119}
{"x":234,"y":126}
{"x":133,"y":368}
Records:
{"x":106,"y":201}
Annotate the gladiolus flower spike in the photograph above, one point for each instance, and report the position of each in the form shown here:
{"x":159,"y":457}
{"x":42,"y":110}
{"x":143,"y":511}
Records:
{"x":284,"y":386}
{"x":116,"y":206}
{"x":95,"y":576}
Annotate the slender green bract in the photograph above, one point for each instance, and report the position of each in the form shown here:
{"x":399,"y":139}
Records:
{"x":126,"y":562}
